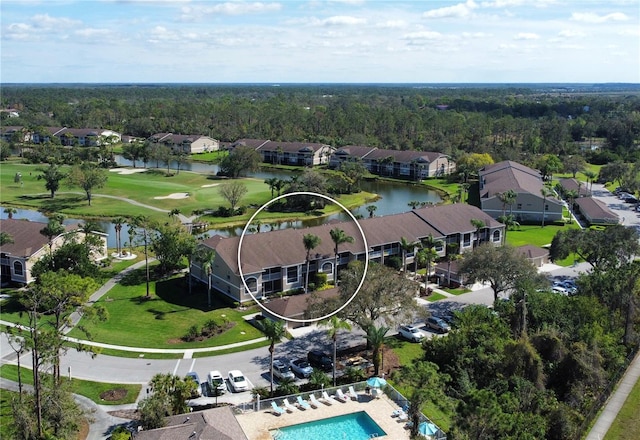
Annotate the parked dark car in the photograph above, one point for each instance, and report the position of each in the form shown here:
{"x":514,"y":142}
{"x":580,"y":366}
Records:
{"x":318,"y":359}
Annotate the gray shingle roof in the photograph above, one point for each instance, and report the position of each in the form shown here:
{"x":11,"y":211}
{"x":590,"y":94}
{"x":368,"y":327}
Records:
{"x":282,"y":248}
{"x":502,"y":176}
{"x":27,"y":239}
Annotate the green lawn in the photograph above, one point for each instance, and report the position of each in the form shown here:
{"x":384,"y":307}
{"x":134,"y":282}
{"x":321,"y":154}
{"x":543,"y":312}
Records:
{"x":626,"y":426}
{"x":203,"y":194}
{"x":161,"y":322}
{"x":87,"y":388}
{"x":534,"y":234}
{"x":407,"y":352}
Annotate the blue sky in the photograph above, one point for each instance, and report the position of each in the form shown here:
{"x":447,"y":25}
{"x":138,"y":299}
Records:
{"x":355,"y":41}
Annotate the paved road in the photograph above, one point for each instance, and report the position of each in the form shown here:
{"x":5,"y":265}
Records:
{"x":254,"y":363}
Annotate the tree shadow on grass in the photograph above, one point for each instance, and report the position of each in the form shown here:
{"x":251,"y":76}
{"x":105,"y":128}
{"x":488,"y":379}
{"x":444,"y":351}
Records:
{"x":57,"y":204}
{"x":176,"y":291}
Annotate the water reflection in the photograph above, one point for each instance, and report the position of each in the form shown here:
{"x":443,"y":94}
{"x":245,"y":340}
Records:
{"x":394,"y":198}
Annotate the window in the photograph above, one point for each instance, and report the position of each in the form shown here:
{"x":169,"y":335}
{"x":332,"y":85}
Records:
{"x":292,"y":274}
{"x":519,"y":206}
{"x":496,"y":235}
{"x":327,"y":267}
{"x":17,"y":268}
{"x":252,"y":284}
{"x":466,"y":239}
{"x":546,"y":207}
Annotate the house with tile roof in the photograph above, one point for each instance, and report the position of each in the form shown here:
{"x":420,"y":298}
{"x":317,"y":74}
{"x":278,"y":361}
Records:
{"x":29,"y":245}
{"x":273,"y":262}
{"x":409,"y":164}
{"x":186,"y":143}
{"x":527,"y":183}
{"x":288,"y":153}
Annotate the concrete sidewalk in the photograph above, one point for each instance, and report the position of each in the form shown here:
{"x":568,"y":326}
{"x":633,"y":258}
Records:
{"x":616,"y":400}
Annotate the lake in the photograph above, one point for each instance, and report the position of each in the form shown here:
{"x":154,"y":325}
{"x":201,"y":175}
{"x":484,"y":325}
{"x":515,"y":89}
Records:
{"x":394,"y":198}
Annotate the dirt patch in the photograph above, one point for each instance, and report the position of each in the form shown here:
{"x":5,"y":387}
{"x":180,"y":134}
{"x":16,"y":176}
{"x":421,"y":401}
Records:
{"x":130,"y":414}
{"x":114,"y":395}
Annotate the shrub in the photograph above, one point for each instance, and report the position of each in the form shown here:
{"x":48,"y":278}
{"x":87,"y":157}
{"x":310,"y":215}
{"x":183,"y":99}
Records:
{"x":321,"y":279}
{"x":192,"y":333}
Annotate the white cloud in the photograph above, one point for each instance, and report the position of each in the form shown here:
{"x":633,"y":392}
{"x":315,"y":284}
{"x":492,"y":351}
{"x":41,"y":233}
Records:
{"x":501,"y":3}
{"x":342,"y":20}
{"x":460,"y":10}
{"x":92,"y":32}
{"x":591,"y":17}
{"x":241,"y":8}
{"x":630,"y":32}
{"x":45,"y":21}
{"x":392,"y":24}
{"x":569,"y":33}
{"x":526,"y":36}
{"x":423,"y":35}
{"x":474,"y":35}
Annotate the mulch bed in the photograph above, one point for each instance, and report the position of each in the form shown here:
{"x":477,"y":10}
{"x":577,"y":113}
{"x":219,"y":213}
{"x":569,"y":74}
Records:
{"x":114,"y":395}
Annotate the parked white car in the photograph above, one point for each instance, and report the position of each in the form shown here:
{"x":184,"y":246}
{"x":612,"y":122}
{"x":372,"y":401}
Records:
{"x":216,"y":382}
{"x":411,"y":333}
{"x":237,"y":381}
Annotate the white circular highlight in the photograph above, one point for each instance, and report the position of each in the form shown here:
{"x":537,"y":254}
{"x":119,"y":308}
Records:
{"x":366,"y":253}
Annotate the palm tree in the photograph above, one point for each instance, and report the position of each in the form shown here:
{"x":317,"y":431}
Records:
{"x":272,"y":182}
{"x":546,"y":192}
{"x":273,"y":331}
{"x":429,"y":245}
{"x":507,"y":198}
{"x":406,"y":246}
{"x":117,"y":226}
{"x":371,"y":209}
{"x":10,"y":211}
{"x":413,"y":204}
{"x":509,"y":222}
{"x":478,"y":224}
{"x":175,"y":212}
{"x":591,"y":176}
{"x":338,"y":236}
{"x":334,"y":325}
{"x":465,"y":189}
{"x":451,"y":256}
{"x":52,"y":230}
{"x":310,"y":242}
{"x":205,"y":257}
{"x":375,"y":338}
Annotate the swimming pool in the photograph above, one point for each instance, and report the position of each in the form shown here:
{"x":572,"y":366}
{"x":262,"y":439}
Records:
{"x":356,"y":426}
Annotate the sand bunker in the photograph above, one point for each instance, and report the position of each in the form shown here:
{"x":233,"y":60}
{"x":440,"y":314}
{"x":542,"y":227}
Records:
{"x":210,"y":185}
{"x":174,"y":196}
{"x":128,"y":170}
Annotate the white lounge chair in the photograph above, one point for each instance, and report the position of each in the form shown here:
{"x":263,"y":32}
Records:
{"x":327,"y":398}
{"x":303,"y":403}
{"x":289,"y":407}
{"x":403,"y":417}
{"x":341,"y":396}
{"x":353,"y":394}
{"x":276,"y":409}
{"x":313,"y":400}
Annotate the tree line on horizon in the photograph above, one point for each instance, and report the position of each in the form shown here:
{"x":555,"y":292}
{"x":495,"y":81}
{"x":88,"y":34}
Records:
{"x":507,"y":123}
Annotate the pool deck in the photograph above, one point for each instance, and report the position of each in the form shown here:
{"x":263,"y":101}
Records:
{"x":256,"y":425}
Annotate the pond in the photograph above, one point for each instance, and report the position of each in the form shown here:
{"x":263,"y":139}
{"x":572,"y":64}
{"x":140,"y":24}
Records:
{"x":394,"y":198}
